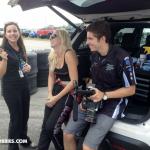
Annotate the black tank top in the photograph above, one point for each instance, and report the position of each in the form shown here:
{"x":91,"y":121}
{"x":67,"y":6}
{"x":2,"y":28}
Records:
{"x":63,"y":73}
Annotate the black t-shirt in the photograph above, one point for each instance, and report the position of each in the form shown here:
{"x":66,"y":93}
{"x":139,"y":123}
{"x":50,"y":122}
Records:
{"x":111,"y":72}
{"x":12,"y":76}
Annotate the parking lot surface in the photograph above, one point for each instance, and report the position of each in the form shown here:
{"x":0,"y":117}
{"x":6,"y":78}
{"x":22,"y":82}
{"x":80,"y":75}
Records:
{"x":35,"y":43}
{"x":35,"y":120}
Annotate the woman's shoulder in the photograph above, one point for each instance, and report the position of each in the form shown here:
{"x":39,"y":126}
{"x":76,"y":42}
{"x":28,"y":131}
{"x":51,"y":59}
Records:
{"x":70,"y":55}
{"x":69,"y":52}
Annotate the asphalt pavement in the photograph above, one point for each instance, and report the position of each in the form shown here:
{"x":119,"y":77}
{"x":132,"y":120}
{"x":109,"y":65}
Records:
{"x":35,"y":120}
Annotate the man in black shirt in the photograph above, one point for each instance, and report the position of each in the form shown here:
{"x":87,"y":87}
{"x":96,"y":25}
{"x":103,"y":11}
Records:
{"x":113,"y":75}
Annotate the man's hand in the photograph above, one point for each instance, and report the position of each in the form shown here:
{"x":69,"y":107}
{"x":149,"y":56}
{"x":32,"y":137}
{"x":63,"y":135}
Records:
{"x":98,"y":96}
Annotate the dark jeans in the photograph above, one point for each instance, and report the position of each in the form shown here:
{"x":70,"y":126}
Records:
{"x":17,"y":99}
{"x":51,"y":116}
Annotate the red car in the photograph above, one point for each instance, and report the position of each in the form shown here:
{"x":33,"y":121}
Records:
{"x":44,"y":33}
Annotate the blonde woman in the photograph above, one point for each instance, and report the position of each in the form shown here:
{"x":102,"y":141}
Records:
{"x":62,"y":74}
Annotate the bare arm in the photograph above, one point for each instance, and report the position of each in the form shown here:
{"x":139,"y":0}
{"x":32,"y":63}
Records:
{"x":119,"y":93}
{"x":50,"y":84}
{"x":122,"y":92}
{"x":3,"y":63}
{"x":71,"y":61}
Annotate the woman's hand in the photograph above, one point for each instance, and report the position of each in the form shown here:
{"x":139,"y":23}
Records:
{"x":26,"y":68}
{"x":52,"y":101}
{"x":3,"y":54}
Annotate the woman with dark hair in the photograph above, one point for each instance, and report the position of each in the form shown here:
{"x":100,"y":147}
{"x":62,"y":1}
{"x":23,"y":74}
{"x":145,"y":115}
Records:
{"x":15,"y":86}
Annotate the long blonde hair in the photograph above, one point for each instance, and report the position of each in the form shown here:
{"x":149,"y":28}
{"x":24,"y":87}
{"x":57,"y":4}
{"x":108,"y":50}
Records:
{"x":65,"y":45}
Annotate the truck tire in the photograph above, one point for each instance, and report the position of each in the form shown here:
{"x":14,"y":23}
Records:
{"x":32,"y":75}
{"x":43,"y":68}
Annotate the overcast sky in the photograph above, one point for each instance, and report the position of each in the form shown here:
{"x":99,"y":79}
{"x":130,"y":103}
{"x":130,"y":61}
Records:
{"x":33,"y":19}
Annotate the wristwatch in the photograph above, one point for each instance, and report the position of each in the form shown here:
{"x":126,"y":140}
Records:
{"x":105,"y":97}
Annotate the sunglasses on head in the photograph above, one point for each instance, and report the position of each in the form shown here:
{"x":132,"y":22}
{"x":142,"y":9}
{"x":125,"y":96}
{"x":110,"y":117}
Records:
{"x":53,"y":36}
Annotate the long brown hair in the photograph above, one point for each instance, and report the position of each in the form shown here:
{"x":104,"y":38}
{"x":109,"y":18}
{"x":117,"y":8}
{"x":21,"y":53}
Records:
{"x":19,"y":42}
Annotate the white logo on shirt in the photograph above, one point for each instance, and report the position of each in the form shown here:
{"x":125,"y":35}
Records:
{"x":109,"y":67}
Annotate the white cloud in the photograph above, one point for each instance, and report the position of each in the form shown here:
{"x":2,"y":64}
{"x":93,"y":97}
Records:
{"x":35,"y":18}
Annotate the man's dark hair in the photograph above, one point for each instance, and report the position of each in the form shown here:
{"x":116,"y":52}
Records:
{"x":100,"y":28}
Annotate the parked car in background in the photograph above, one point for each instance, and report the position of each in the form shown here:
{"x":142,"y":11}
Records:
{"x":44,"y":33}
{"x":33,"y":34}
{"x":25,"y":32}
{"x":1,"y":32}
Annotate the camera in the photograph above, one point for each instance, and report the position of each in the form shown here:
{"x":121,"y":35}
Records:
{"x":90,"y":106}
{"x":86,"y":93}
